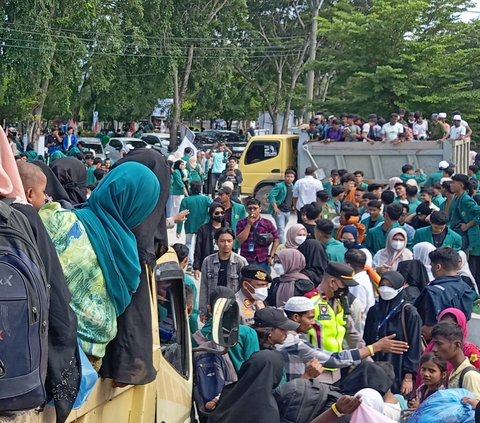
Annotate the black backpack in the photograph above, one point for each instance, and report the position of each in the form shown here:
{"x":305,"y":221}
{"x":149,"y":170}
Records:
{"x":23,"y":314}
{"x":301,"y":400}
{"x":464,"y":372}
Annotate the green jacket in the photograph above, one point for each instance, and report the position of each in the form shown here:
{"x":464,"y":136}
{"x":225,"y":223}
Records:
{"x":438,"y":200}
{"x":90,"y":176}
{"x":194,"y":175}
{"x":277,"y":195}
{"x":464,"y":210}
{"x":238,"y":212}
{"x":198,"y":205}
{"x":177,"y":183}
{"x":246,"y":346}
{"x":335,"y":250}
{"x":193,"y":318}
{"x":434,"y":177}
{"x":412,"y":206}
{"x":420,"y":178}
{"x":366,"y":222}
{"x":377,"y":239}
{"x":451,"y":240}
{"x":328,"y":186}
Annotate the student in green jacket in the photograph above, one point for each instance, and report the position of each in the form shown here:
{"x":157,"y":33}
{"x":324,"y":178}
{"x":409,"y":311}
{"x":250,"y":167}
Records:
{"x":438,"y":234}
{"x":374,"y":209}
{"x":281,"y":203}
{"x":333,"y":181}
{"x":179,"y":189}
{"x":199,"y":205}
{"x":359,"y":179}
{"x":335,"y":249}
{"x":97,"y":164}
{"x":233,"y":211}
{"x":437,"y":176}
{"x":408,"y":174}
{"x":377,"y":237}
{"x":412,"y":197}
{"x":438,"y":199}
{"x":247,"y":337}
{"x":335,"y":202}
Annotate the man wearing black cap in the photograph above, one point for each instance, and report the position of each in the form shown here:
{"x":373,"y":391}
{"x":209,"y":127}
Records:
{"x":332,"y":325}
{"x":253,"y":292}
{"x":333,"y":180}
{"x":419,"y":219}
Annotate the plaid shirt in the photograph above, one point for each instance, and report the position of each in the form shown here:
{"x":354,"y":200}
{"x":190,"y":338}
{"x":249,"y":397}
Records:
{"x":297,"y":353}
{"x":263,"y":226}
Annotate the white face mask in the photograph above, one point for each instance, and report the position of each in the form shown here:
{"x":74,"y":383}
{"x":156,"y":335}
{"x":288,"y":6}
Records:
{"x":388,"y":293}
{"x":300,"y":239}
{"x":260,"y":294}
{"x":279,"y":269}
{"x":398,"y":245}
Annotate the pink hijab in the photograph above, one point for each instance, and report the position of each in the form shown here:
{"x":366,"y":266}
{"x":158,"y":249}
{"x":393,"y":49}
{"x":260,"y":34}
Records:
{"x":291,"y":234}
{"x":293,"y":262}
{"x":10,"y":182}
{"x":462,"y":322}
{"x":192,"y":162}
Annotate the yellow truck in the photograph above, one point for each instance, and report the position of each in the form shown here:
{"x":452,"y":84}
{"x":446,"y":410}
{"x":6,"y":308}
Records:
{"x":168,"y":399}
{"x":266,"y":158}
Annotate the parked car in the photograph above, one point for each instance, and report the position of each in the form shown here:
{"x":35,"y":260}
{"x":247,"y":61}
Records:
{"x":113,"y":149}
{"x":94,"y":144}
{"x":205,"y":140}
{"x":158,"y":141}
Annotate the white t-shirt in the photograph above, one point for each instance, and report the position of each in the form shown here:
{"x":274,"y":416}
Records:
{"x":364,"y":292}
{"x":420,"y":130}
{"x":457,"y":132}
{"x":391,"y":131}
{"x":463,"y":123}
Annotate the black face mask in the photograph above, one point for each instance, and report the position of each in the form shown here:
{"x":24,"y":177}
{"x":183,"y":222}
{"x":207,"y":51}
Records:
{"x":218,"y":218}
{"x":348,"y":244}
{"x":340,"y":292}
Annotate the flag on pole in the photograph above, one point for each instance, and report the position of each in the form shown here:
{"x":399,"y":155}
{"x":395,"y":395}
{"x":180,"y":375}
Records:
{"x":187,"y":140}
{"x":95,"y":122}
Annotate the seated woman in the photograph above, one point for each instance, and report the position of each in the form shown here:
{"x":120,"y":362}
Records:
{"x":350,"y":240}
{"x":290,"y":282}
{"x":469,"y":350}
{"x":394,"y":315}
{"x":394,"y":252}
{"x":294,"y":237}
{"x":98,"y":252}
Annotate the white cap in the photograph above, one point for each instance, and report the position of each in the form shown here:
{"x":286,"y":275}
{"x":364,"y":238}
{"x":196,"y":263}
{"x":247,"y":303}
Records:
{"x":228,"y":184}
{"x":299,"y":304}
{"x":457,"y":117}
{"x":442,"y":115}
{"x":443,"y":164}
{"x":318,"y":116}
{"x":331,"y":117}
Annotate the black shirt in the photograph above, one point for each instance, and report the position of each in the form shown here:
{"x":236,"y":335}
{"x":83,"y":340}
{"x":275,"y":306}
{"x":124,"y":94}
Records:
{"x":372,"y":223}
{"x":287,"y":204}
{"x":439,"y":238}
{"x":222,"y":273}
{"x":313,"y":134}
{"x":310,"y":230}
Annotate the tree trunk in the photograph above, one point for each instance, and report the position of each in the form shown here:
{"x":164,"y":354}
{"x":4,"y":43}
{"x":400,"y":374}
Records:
{"x":33,"y":129}
{"x":286,"y":118}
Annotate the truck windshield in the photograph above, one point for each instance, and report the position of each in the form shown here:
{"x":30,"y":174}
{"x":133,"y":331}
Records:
{"x":258,"y":151}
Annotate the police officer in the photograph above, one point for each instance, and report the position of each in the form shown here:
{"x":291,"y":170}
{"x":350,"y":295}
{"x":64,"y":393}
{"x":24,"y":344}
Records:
{"x":253,"y":292}
{"x":332,"y":325}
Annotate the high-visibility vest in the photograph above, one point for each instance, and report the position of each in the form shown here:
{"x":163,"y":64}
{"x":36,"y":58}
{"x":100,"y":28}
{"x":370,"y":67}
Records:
{"x":329,"y":330}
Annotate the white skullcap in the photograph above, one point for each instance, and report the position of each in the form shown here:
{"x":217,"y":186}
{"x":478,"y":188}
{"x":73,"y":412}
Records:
{"x":442,"y":115}
{"x":457,"y":117}
{"x":443,"y":164}
{"x":299,"y":304}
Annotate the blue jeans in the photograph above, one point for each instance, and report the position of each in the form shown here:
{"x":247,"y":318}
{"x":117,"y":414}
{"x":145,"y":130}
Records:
{"x":190,"y":243}
{"x":263,"y":264}
{"x":281,"y":220}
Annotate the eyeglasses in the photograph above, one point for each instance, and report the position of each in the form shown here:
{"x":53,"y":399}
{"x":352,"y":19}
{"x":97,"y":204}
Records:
{"x":218,"y":213}
{"x":252,"y":208}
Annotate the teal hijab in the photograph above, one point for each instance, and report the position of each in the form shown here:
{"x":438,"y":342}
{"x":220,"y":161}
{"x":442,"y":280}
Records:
{"x":56,"y":155}
{"x":121,"y":201}
{"x":73,"y":152}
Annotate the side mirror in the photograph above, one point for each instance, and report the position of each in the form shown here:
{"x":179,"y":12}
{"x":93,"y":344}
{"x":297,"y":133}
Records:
{"x":225,"y":322}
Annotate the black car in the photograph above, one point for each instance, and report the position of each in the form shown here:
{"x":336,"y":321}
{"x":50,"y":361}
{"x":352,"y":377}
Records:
{"x":204,"y":140}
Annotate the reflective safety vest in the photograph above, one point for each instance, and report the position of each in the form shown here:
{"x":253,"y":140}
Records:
{"x":329,"y":330}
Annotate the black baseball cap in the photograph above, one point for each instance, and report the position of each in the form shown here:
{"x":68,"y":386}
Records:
{"x":424,"y":208}
{"x":333,"y":172}
{"x":225,"y":190}
{"x":252,"y":271}
{"x":341,"y":271}
{"x":274,"y":317}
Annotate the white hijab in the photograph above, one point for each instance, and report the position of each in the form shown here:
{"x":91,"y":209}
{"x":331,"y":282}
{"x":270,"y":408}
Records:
{"x":421,"y":252}
{"x":464,"y":269}
{"x":372,"y":398}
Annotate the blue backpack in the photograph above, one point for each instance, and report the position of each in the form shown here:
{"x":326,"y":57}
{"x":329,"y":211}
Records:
{"x":23,"y":315}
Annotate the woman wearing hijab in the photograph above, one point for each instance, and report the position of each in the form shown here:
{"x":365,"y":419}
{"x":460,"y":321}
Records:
{"x":394,"y":315}
{"x":394,"y":252}
{"x":178,"y":188}
{"x":316,"y":260}
{"x":470,"y":351}
{"x":421,"y":252}
{"x":31,"y":153}
{"x":73,"y":176}
{"x":194,"y":170}
{"x":73,"y":151}
{"x":294,"y":237}
{"x":465,"y":272}
{"x":98,"y":251}
{"x":55,"y":156}
{"x":349,"y":239}
{"x":251,"y":400}
{"x":415,"y":275}
{"x":290,"y":281}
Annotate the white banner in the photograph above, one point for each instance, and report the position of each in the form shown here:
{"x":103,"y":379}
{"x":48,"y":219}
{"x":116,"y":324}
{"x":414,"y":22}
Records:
{"x":188,"y":138}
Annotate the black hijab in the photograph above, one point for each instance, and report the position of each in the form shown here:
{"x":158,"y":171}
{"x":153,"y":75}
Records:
{"x":72,"y":175}
{"x":54,"y":187}
{"x":128,"y":358}
{"x":415,"y":275}
{"x":250,"y":400}
{"x":315,"y":258}
{"x":397,"y":280}
{"x":366,"y":375}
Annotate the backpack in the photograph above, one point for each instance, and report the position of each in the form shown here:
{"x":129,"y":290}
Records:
{"x":464,"y":372}
{"x":212,"y":372}
{"x":301,"y":400}
{"x":23,"y":314}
